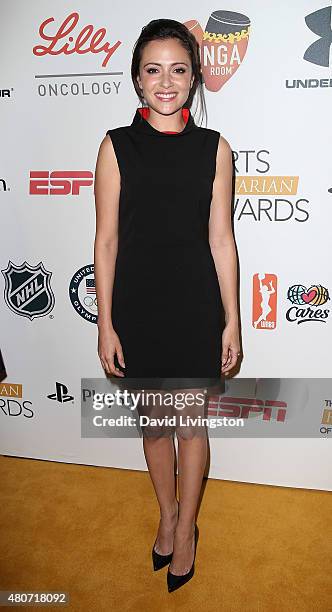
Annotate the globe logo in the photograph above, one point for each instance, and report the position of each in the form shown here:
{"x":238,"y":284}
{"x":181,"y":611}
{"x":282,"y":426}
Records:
{"x":306,"y":304}
{"x":315,"y":295}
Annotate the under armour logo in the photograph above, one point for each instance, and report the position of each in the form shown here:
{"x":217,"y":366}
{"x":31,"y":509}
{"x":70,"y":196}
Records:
{"x":319,"y":22}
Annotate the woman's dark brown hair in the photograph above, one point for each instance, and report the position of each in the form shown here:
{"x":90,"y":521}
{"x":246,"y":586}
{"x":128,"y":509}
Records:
{"x":162,"y":29}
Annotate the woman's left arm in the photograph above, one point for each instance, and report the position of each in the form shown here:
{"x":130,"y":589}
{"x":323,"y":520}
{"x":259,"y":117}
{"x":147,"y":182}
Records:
{"x":223,"y":250}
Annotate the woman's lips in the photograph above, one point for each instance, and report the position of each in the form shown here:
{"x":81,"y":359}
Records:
{"x":165,"y":97}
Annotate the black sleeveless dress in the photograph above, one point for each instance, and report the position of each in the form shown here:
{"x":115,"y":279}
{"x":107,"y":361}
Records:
{"x":166,"y":304}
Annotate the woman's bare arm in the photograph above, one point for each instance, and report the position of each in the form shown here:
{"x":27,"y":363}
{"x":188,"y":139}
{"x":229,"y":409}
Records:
{"x":223,"y":250}
{"x":107,"y":192}
{"x":220,"y":230}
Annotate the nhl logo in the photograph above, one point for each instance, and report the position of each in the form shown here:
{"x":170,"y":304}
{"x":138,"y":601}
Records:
{"x":28,"y":291}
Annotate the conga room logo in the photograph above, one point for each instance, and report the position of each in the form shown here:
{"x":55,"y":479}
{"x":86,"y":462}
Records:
{"x":307,"y":303}
{"x":82,"y":293}
{"x":223,"y":45}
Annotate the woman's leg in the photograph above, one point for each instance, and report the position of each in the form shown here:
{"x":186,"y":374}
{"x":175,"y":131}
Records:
{"x":192,"y":457}
{"x":160,"y":459}
{"x":159,"y":451}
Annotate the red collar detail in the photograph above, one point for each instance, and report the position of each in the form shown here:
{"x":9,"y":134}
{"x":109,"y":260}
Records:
{"x":145,"y":112}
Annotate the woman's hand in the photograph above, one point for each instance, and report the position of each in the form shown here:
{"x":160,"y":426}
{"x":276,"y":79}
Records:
{"x":230,"y":347}
{"x":109,"y":344}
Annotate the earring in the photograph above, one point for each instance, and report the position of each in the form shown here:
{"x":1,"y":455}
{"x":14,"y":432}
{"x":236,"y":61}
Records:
{"x":142,"y":99}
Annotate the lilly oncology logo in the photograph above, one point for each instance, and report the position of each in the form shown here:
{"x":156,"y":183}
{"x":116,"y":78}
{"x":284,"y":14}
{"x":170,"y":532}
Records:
{"x":223,"y":46}
{"x":71,"y":38}
{"x":306,"y":304}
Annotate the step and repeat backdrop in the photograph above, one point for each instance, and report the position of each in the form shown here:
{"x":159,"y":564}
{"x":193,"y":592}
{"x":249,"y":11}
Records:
{"x":65,"y":81}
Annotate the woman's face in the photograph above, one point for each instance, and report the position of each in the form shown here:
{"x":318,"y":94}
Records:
{"x":165,"y":75}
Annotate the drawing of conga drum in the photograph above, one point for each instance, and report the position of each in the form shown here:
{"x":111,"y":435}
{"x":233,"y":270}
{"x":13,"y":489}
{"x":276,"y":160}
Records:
{"x":224,"y":46}
{"x":195,"y":28}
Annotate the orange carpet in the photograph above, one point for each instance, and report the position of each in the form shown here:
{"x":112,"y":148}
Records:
{"x":89,"y":530}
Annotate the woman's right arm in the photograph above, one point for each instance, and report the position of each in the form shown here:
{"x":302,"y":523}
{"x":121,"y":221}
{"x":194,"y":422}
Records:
{"x":106,"y":192}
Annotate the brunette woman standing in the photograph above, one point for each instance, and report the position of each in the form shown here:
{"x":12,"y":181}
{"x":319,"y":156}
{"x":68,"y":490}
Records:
{"x":165,"y":266}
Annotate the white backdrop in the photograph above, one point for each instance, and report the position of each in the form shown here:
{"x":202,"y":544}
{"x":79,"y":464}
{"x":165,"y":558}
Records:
{"x":57,"y":103}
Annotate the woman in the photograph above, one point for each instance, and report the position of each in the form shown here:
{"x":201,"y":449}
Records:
{"x":165,"y":266}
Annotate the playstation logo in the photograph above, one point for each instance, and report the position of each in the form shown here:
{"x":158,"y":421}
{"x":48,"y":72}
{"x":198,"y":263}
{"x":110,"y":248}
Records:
{"x":61,"y":393}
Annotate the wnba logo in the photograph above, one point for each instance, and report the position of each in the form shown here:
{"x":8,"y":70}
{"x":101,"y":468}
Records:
{"x":264,"y":307}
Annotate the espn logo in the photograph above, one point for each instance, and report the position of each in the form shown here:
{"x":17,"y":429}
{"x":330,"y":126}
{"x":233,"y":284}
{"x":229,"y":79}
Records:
{"x":247,"y":407}
{"x":59,"y":182}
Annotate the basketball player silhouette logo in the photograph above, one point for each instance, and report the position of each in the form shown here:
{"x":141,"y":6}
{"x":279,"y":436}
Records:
{"x":264,"y":301}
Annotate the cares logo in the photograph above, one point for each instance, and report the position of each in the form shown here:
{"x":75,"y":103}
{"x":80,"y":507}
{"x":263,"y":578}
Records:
{"x":59,"y":182}
{"x":307,"y":304}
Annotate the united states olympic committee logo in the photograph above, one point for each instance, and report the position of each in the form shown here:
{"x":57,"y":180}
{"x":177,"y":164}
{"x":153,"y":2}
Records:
{"x":82,"y":293}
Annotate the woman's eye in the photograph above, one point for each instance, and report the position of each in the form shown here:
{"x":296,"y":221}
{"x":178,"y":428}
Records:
{"x":154,"y":69}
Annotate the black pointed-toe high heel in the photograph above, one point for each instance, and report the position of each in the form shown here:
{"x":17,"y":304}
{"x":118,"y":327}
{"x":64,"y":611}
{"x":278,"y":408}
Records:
{"x":160,"y":561}
{"x":175,"y":581}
